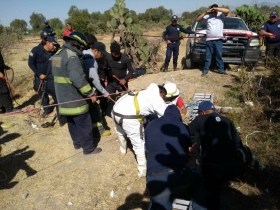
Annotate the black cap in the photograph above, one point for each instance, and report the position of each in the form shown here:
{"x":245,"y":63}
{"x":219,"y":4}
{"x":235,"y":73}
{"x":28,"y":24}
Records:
{"x":274,"y":13}
{"x":100,"y":47}
{"x":205,"y":105}
{"x":44,"y":35}
{"x":174,"y":17}
{"x":51,"y":39}
{"x":213,"y":5}
{"x":46,"y":22}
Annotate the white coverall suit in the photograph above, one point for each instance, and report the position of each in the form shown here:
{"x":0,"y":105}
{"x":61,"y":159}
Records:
{"x":127,"y":123}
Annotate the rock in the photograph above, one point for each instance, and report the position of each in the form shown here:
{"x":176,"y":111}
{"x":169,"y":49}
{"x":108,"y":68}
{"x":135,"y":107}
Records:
{"x":34,"y":126}
{"x":113,"y":194}
{"x":70,"y":203}
{"x":24,"y":196}
{"x":128,"y":188}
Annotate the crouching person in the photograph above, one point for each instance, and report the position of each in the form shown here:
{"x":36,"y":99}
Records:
{"x":128,"y":114}
{"x":167,"y":141}
{"x":223,"y":156}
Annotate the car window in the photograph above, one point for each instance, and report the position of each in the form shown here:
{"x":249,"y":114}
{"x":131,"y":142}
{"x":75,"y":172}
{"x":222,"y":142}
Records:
{"x":201,"y":25}
{"x":230,"y":23}
{"x":235,"y":23}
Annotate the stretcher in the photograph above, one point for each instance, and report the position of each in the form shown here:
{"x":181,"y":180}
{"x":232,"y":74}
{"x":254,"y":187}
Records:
{"x":192,"y":106}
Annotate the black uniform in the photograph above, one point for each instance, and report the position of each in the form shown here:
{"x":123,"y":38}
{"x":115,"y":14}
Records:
{"x":6,"y":103}
{"x":172,"y":33}
{"x":119,"y":68}
{"x":48,"y":30}
{"x":38,"y":62}
{"x":220,"y":143}
{"x":272,"y":44}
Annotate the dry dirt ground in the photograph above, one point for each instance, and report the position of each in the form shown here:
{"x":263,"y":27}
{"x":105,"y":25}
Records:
{"x":43,"y":169}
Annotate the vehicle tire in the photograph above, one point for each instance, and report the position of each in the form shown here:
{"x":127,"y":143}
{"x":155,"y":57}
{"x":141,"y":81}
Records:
{"x":189,"y":62}
{"x":183,"y":62}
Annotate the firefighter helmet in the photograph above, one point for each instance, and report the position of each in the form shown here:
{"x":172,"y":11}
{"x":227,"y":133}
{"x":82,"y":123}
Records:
{"x":79,"y":37}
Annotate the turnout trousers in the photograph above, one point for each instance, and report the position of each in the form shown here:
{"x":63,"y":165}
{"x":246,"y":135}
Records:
{"x":80,"y":129}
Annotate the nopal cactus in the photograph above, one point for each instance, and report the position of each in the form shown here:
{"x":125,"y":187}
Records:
{"x":135,"y":45}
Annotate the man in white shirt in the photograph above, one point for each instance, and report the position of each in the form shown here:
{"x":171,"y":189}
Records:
{"x":214,"y":17}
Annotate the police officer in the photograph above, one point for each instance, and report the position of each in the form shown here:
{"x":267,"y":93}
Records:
{"x":222,"y":156}
{"x":71,"y":88}
{"x":271,"y":31}
{"x":43,"y":37}
{"x":172,"y":37}
{"x":47,"y":29}
{"x":38,"y":61}
{"x":167,"y":140}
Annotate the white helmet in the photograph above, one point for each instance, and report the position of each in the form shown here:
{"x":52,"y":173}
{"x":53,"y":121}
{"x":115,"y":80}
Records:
{"x":171,"y":90}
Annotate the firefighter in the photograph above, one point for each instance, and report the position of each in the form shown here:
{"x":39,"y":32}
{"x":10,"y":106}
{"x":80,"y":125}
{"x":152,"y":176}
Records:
{"x":71,"y":88}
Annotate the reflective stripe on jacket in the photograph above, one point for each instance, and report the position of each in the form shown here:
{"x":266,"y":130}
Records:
{"x":70,"y":82}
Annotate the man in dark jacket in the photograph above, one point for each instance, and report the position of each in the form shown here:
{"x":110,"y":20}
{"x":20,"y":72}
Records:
{"x":167,"y":142}
{"x":271,"y":30}
{"x":72,"y":88}
{"x":221,"y":150}
{"x":172,"y":37}
{"x":118,"y":65}
{"x":47,"y":29}
{"x":6,"y":103}
{"x":38,"y":62}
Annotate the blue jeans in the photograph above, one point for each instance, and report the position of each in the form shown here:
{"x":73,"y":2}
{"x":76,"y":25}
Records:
{"x":214,"y":47}
{"x":173,"y":47}
{"x":162,"y":186}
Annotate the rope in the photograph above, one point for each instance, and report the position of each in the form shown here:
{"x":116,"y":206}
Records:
{"x":119,"y":81}
{"x":28,"y":109}
{"x":22,"y":95}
